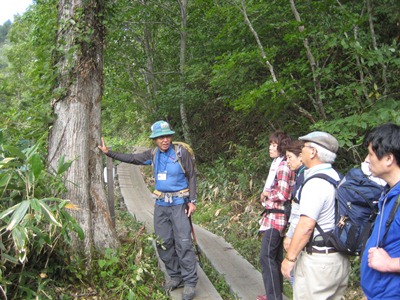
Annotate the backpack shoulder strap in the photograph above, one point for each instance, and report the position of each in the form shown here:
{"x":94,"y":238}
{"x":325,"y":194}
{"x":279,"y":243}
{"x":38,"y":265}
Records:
{"x":178,"y":151}
{"x":325,"y":177}
{"x":390,"y":220}
{"x":318,"y":175}
{"x":323,"y":233}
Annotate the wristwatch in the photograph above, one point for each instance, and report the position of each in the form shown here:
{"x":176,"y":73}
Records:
{"x":193,"y":201}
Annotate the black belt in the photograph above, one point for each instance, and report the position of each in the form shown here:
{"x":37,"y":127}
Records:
{"x":272,"y":211}
{"x":326,"y":251}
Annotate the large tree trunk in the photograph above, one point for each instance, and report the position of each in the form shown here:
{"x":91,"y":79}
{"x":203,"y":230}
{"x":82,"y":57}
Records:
{"x":76,"y":131}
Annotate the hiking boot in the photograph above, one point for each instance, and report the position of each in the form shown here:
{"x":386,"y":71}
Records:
{"x":173,"y":284}
{"x":188,"y":292}
{"x":264,"y":297}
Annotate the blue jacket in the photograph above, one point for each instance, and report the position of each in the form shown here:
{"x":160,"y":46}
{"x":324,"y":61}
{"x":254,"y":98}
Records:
{"x":375,"y":284}
{"x":177,"y":179}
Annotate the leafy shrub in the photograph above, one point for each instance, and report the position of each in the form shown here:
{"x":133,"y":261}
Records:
{"x":36,"y":260}
{"x":228,"y":198}
{"x":129,"y":272}
{"x":35,"y":223}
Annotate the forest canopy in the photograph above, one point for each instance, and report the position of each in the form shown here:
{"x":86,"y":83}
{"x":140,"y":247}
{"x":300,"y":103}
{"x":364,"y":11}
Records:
{"x":249,"y":67}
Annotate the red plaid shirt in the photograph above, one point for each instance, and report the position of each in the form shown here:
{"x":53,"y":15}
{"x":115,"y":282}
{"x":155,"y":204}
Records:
{"x":281,"y":191}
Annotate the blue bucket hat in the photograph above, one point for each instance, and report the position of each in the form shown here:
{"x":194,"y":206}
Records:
{"x":160,"y":128}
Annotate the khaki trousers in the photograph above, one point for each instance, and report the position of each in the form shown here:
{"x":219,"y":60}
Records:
{"x":320,"y":276}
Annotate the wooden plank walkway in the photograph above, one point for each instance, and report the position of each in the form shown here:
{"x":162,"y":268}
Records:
{"x":243,"y":279}
{"x":140,"y":203}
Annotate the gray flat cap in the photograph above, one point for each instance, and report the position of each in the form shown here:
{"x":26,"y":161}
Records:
{"x":323,"y":139}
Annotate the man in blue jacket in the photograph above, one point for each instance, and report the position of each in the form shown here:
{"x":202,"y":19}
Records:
{"x":380,"y":265}
{"x":175,"y":197}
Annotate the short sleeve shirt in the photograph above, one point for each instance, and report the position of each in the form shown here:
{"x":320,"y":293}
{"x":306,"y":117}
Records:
{"x":318,"y":197}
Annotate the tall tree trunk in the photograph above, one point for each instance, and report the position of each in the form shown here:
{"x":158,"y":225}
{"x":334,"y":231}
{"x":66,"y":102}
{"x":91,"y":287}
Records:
{"x":243,"y":9}
{"x":358,"y":60}
{"x":360,"y":67}
{"x":183,"y":4}
{"x":77,"y":130}
{"x":149,"y":73}
{"x":375,"y":45}
{"x":317,"y":101}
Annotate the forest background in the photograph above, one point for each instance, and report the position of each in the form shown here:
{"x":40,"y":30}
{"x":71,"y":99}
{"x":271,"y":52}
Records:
{"x":225,"y":74}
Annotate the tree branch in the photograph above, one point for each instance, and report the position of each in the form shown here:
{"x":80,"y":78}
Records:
{"x":317,"y":101}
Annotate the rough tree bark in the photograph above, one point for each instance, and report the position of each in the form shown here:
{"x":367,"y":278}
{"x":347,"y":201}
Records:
{"x":77,"y":130}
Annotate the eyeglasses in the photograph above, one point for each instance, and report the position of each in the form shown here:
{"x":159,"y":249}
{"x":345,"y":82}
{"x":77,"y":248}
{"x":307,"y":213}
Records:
{"x":163,"y":137}
{"x":308,"y":146}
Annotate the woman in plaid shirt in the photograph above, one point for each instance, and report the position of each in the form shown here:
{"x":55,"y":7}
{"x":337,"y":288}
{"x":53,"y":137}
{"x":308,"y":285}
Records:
{"x":276,"y":192}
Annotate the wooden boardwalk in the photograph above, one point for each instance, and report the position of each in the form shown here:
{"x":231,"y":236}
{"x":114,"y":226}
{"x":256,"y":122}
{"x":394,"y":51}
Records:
{"x":243,"y":279}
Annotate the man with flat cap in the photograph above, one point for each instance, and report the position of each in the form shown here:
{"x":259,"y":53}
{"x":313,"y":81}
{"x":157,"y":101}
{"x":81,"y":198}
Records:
{"x":320,"y":272}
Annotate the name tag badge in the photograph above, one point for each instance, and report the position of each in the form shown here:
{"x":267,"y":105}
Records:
{"x":162,"y":176}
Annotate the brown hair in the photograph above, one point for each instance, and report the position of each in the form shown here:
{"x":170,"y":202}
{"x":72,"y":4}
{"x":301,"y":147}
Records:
{"x":295,"y":147}
{"x":282,"y":139}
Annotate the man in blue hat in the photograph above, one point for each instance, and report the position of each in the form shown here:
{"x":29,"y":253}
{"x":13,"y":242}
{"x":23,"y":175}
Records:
{"x":175,"y":196}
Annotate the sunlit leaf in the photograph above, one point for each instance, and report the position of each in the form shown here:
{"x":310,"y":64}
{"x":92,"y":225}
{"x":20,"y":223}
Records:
{"x":14,"y":151}
{"x":48,"y":214}
{"x":72,"y":206}
{"x":18,"y":214}
{"x":5,"y":161}
{"x":37,"y":209}
{"x":8,"y":211}
{"x":20,"y":238}
{"x":31,"y":151}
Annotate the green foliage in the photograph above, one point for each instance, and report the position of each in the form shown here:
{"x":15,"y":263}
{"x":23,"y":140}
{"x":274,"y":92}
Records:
{"x":351,"y":130}
{"x":36,"y":228}
{"x":217,"y":280}
{"x":227,"y":86}
{"x":35,"y":220}
{"x":128,"y":272}
{"x":230,"y":97}
{"x":229,"y":193}
{"x":27,"y":78}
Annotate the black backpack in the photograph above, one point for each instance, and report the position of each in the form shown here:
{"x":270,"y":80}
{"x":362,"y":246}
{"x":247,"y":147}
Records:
{"x":356,"y":207}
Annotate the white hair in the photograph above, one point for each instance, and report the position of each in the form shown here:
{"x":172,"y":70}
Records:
{"x":324,"y":155}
